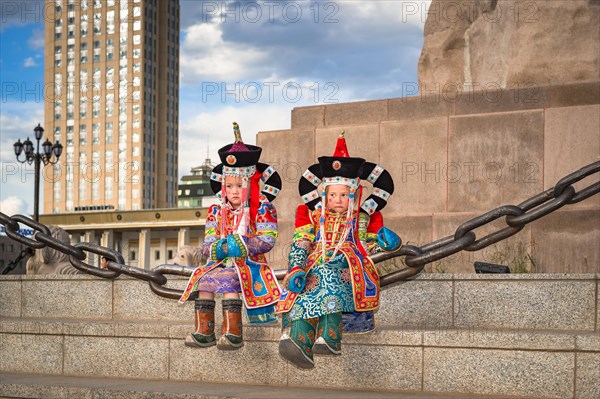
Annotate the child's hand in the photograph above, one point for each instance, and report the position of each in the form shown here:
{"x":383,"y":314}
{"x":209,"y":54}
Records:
{"x":295,"y":280}
{"x":387,"y":239}
{"x":221,"y":249}
{"x":233,"y":248}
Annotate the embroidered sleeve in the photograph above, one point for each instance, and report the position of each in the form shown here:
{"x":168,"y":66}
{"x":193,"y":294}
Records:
{"x":266,"y":233}
{"x":375,"y":223}
{"x":304,"y":235}
{"x":211,"y":233}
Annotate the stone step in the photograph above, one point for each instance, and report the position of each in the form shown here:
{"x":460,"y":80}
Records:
{"x":33,"y":386}
{"x":533,"y":336}
{"x":451,"y":361}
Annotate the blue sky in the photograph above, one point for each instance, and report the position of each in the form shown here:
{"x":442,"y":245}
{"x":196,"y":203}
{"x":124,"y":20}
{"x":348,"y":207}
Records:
{"x":252,"y":62}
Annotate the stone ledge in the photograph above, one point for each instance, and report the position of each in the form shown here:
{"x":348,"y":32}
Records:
{"x":406,"y":335}
{"x":416,"y":359}
{"x":440,"y":103}
{"x":36,"y":386}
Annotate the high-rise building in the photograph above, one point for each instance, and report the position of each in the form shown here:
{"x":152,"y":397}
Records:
{"x":112,"y":99}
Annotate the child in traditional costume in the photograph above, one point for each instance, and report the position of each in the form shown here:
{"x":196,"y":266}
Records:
{"x":239,"y":232}
{"x":331,"y":281}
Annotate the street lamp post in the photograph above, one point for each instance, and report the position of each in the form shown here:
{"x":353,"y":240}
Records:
{"x":38,"y":157}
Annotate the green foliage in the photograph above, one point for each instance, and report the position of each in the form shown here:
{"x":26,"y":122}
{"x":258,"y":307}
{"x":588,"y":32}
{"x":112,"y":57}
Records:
{"x":390,"y":265}
{"x":517,"y":256}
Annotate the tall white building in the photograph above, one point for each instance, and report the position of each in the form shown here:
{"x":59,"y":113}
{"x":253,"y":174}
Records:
{"x":112,"y":99}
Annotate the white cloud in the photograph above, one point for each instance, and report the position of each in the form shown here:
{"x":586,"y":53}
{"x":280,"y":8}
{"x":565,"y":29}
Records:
{"x":12,"y":206}
{"x":37,"y":39}
{"x":17,"y":179}
{"x":214,"y":130}
{"x":388,"y":12}
{"x":29,"y":62}
{"x":206,"y":56}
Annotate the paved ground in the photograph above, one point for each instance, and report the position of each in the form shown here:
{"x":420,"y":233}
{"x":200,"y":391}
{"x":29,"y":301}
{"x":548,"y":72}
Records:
{"x":36,"y":386}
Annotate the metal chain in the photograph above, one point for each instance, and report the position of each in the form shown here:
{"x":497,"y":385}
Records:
{"x":464,"y":238}
{"x":25,"y":253}
{"x":516,"y":217}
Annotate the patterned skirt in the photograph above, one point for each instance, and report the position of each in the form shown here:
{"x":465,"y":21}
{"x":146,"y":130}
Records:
{"x":220,"y":280}
{"x":328,"y":290}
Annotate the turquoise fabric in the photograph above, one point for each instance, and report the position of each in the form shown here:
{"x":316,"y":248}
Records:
{"x":327,"y":291}
{"x":387,"y":239}
{"x":219,"y":248}
{"x":266,"y":314}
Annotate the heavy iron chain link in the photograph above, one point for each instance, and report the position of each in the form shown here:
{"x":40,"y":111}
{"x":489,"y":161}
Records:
{"x":464,"y":238}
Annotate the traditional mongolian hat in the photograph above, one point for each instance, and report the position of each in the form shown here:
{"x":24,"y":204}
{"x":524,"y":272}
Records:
{"x":341,"y":168}
{"x":239,"y":159}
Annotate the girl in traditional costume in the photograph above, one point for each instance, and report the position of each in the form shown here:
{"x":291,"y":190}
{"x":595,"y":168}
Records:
{"x":239,"y":232}
{"x":331,"y":281}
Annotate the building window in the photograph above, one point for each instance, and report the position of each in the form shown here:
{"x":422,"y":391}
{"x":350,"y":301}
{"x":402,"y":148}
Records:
{"x":82,"y":135}
{"x":57,"y":109}
{"x":82,"y":107}
{"x":110,"y":22}
{"x":132,"y":255}
{"x":108,"y":132}
{"x":157,"y":255}
{"x":56,"y":184}
{"x":82,"y":182}
{"x":97,"y":24}
{"x":108,"y":186}
{"x":84,"y":24}
{"x":96,"y":107}
{"x":70,"y":139}
{"x":110,"y":98}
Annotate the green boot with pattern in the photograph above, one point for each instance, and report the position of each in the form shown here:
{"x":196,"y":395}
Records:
{"x":329,"y":333}
{"x":297,"y":346}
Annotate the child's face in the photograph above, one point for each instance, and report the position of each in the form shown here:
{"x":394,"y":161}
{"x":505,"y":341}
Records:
{"x":233,"y":186}
{"x":338,"y":197}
